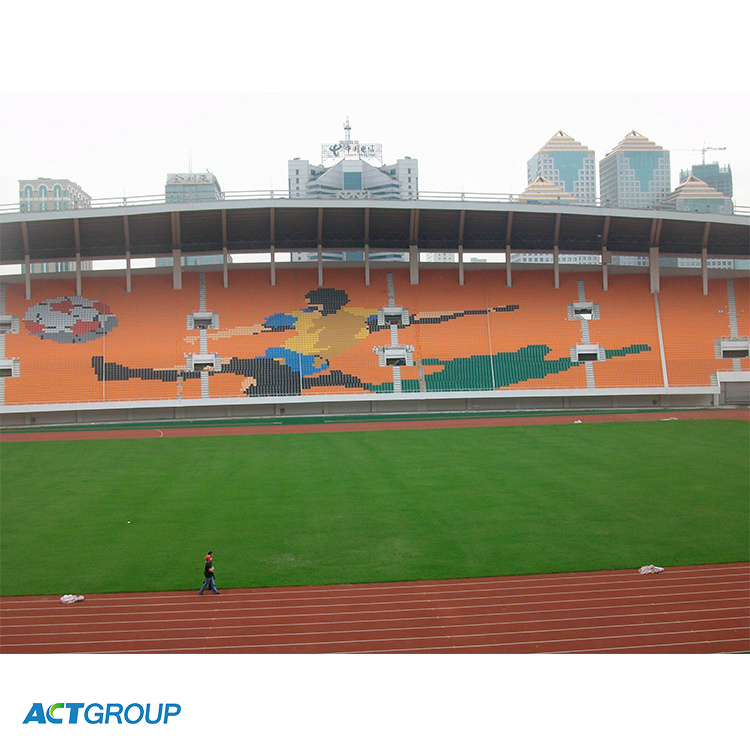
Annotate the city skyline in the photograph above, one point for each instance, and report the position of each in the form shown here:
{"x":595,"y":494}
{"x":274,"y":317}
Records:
{"x":122,"y":144}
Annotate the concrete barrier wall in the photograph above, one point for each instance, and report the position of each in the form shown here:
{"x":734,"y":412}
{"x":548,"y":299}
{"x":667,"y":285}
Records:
{"x":730,"y":394}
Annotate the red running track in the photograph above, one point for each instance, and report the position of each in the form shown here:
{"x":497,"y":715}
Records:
{"x":697,"y":609}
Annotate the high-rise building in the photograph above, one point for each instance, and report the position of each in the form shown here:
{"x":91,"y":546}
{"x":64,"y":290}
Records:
{"x":578,"y":259}
{"x":194,"y":260}
{"x":542,"y":190}
{"x":45,"y":194}
{"x":188,"y":187}
{"x":350,"y":173}
{"x":568,"y":164}
{"x":695,"y":195}
{"x":635,"y":174}
{"x":348,"y":256}
{"x":65,"y":266}
{"x":719,"y":178}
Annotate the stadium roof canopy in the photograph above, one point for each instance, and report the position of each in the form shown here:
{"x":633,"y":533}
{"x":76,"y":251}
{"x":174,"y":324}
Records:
{"x":257,"y":225}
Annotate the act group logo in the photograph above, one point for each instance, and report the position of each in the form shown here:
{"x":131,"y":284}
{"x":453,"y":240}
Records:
{"x":96,"y":713}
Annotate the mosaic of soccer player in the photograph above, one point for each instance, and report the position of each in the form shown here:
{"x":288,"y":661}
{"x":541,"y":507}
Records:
{"x":482,"y":372}
{"x":325,"y":328}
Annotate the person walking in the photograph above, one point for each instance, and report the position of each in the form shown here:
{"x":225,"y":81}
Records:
{"x":208,"y":574}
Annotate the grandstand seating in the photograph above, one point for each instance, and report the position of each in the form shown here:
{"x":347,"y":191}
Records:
{"x":692,"y":323}
{"x":131,"y":346}
{"x":742,"y":308}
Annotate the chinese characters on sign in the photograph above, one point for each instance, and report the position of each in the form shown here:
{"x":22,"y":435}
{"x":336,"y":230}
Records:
{"x":352,"y":148}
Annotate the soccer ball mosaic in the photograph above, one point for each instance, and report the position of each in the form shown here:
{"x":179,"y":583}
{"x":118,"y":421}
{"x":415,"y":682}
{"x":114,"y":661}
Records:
{"x":69,"y":320}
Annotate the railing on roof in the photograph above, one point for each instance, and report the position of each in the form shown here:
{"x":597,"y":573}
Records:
{"x":244,"y":195}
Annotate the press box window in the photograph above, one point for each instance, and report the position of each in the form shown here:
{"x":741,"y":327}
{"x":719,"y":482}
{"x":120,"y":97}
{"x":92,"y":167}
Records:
{"x":735,"y":348}
{"x":9,"y":368}
{"x":201,"y":362}
{"x":8,"y":324}
{"x":583,"y":310}
{"x":587,"y":353}
{"x":202,"y":321}
{"x":395,"y":356}
{"x":393,"y":316}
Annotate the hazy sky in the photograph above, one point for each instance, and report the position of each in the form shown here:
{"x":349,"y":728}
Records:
{"x":125,"y":144}
{"x":471,"y":93}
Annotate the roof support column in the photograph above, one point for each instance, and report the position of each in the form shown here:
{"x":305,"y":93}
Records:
{"x":177,"y":268}
{"x":320,"y":247}
{"x":556,"y":252}
{"x":461,"y":225}
{"x":26,"y":259}
{"x":653,"y":255}
{"x":414,"y":247}
{"x":653,"y":268}
{"x":176,"y":252}
{"x":78,"y":274}
{"x":224,"y":252}
{"x":128,"y":275}
{"x":556,"y":265}
{"x":366,"y":239}
{"x":508,"y":278}
{"x":77,"y":236}
{"x":508,"y":231}
{"x":606,"y":255}
{"x":413,"y":264}
{"x":704,"y":257}
{"x":27,"y":274}
{"x":272,"y":247}
{"x":606,"y":260}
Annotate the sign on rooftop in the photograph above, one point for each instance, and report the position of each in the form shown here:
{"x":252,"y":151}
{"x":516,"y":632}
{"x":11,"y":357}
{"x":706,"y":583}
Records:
{"x":351,"y":149}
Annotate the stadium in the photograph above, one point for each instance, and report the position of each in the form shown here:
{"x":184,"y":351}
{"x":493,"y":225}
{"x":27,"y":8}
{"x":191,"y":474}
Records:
{"x":410,"y":438}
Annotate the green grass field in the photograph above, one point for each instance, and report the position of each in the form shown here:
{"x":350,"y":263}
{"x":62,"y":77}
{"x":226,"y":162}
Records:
{"x":283,"y":510}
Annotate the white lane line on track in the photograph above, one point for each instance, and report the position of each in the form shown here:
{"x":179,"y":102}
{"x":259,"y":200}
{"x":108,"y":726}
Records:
{"x":227,"y":606}
{"x":515,"y":582}
{"x":443,"y":632}
{"x":500,"y":639}
{"x":595,"y":609}
{"x":244,"y":621}
{"x":432,"y":638}
{"x":259,"y":600}
{"x":740,"y":645}
{"x":447,"y":613}
{"x":366,"y":593}
{"x":448,"y":619}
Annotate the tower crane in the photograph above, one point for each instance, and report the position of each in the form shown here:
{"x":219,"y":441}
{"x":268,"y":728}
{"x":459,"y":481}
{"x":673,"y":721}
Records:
{"x":703,"y":150}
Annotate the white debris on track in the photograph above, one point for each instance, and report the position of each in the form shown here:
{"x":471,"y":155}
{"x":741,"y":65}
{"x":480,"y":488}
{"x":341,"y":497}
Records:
{"x":650,"y":569}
